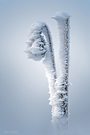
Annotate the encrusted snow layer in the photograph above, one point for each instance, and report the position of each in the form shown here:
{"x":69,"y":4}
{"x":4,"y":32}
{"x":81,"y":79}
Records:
{"x":40,"y":48}
{"x":61,"y":95}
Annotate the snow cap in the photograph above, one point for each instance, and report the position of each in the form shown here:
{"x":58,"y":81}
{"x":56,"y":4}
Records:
{"x":61,"y":17}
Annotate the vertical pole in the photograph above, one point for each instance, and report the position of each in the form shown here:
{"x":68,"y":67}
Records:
{"x":61,"y":97}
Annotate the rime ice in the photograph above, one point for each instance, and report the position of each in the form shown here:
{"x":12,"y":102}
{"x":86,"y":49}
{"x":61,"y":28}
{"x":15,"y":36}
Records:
{"x":40,"y":48}
{"x":61,"y":94}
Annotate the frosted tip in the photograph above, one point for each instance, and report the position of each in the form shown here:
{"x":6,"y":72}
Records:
{"x":60,"y":16}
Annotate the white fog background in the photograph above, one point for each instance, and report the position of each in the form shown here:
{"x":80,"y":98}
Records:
{"x":24,"y":105}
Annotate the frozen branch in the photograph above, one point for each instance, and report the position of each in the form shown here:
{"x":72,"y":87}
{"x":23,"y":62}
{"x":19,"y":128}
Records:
{"x":40,"y":48}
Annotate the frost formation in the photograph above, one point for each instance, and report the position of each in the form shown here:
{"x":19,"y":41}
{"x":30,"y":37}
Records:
{"x":40,"y":48}
{"x":61,"y":94}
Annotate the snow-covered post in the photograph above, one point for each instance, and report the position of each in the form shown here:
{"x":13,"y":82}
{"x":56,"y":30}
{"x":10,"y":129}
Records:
{"x":61,"y":95}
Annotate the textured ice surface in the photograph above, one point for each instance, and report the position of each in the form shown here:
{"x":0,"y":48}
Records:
{"x":61,"y":95}
{"x":40,"y":48}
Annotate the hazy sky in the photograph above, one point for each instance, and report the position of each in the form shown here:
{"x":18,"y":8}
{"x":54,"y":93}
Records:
{"x":24,"y":108}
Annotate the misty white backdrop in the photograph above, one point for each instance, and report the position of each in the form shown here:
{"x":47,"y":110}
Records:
{"x":24,"y":108}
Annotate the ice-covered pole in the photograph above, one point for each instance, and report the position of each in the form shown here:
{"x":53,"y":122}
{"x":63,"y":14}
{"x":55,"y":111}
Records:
{"x":61,"y":95}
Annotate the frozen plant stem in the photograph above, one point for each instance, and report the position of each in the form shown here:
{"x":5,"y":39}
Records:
{"x":40,"y":48}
